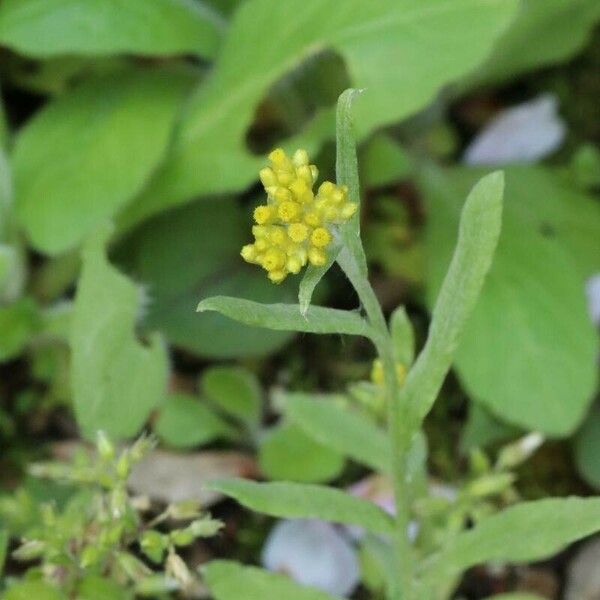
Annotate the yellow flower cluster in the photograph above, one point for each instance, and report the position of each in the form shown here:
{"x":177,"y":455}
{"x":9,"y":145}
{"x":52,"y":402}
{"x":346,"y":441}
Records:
{"x":294,"y":227}
{"x":378,"y":376}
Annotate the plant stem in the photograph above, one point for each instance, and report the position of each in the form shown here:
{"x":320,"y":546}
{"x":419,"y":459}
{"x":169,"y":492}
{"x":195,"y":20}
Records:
{"x":398,"y":433}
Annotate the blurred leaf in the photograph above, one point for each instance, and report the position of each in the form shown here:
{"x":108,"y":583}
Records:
{"x":402,"y":72}
{"x":545,"y":32}
{"x":235,"y":391}
{"x":231,"y":581}
{"x":287,"y":453}
{"x":186,"y":421}
{"x":305,"y":501}
{"x":94,"y":587}
{"x":529,"y":350}
{"x":482,"y":429}
{"x":29,"y":590}
{"x":87,"y":153}
{"x":116,"y":380}
{"x":287,"y":317}
{"x":403,"y":336}
{"x":384,"y":161}
{"x":43,"y":28}
{"x":587,"y":448}
{"x":516,"y":596}
{"x":193,"y":252}
{"x":458,"y":290}
{"x":4,"y":539}
{"x":542,"y":528}
{"x":353,"y":435}
{"x":18,"y":323}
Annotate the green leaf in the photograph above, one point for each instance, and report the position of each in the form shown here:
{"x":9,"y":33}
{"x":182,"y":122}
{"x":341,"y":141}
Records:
{"x":478,"y":234}
{"x":195,"y":251}
{"x":185,"y":421}
{"x":516,"y":596}
{"x":94,"y":587}
{"x":545,"y":32}
{"x":228,"y":580}
{"x":312,"y":276}
{"x":482,"y":429}
{"x":86,"y":154}
{"x":287,"y":453}
{"x":349,"y":433}
{"x":384,"y":161}
{"x":27,"y":590}
{"x":305,"y":501}
{"x":4,"y":539}
{"x":19,"y":322}
{"x":116,"y":380}
{"x":403,"y":336}
{"x":287,"y":317}
{"x":529,"y":352}
{"x":346,"y":170}
{"x":402,"y":72}
{"x":46,"y":28}
{"x":542,"y":528}
{"x":235,"y":391}
{"x":587,"y":448}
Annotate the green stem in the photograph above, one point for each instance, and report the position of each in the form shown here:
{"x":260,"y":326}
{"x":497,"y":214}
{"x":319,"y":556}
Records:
{"x":397,"y":428}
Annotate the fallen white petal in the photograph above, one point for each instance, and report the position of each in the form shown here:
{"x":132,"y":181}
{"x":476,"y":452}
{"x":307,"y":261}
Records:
{"x":524,"y":133}
{"x":312,"y":553}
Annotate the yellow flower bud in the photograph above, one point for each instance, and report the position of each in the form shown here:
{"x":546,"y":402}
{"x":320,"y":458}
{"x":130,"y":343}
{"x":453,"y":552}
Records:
{"x":298,"y":232}
{"x":267,"y":177}
{"x":320,"y":237}
{"x":300,"y":158}
{"x":273,"y":260}
{"x":277,"y":236}
{"x":348,"y":210}
{"x":288,"y":211}
{"x":312,"y":218}
{"x":317,"y":257}
{"x":294,"y":264}
{"x":249,"y":253}
{"x":283,"y":195}
{"x":278,"y":157}
{"x":277,"y":276}
{"x":263,"y":214}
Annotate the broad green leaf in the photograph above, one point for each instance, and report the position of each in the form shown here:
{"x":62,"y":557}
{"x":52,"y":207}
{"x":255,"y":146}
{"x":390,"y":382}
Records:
{"x":89,"y":152}
{"x":384,"y":161}
{"x":19,"y":322}
{"x":482,"y":429}
{"x":195,"y":251}
{"x":231,"y":581}
{"x":305,"y":501}
{"x":43,"y":28}
{"x":587,"y":448}
{"x":94,"y":587}
{"x":287,"y":317}
{"x":186,"y":421}
{"x":235,"y":391}
{"x":287,"y":453}
{"x":331,"y":424}
{"x":542,"y":528}
{"x":529,"y":350}
{"x":401,"y":70}
{"x":28,"y":590}
{"x":116,"y":380}
{"x":403,"y":336}
{"x":545,"y":32}
{"x":479,"y":229}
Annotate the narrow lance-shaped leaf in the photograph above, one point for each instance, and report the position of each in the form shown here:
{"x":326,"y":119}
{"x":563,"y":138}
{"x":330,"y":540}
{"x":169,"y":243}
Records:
{"x":478,"y":236}
{"x":228,"y":580}
{"x":116,"y":380}
{"x":287,"y":317}
{"x":352,"y":435}
{"x":525,"y":532}
{"x":403,"y":336}
{"x":305,"y":501}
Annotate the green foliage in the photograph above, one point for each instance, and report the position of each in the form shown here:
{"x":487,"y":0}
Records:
{"x":19,"y":321}
{"x":530,"y":336}
{"x":305,"y":501}
{"x":209,"y":155}
{"x":32,"y":589}
{"x":542,"y":527}
{"x":90,"y":151}
{"x":185,"y":421}
{"x":587,"y":448}
{"x":43,"y":28}
{"x":194,"y":251}
{"x":236,"y":392}
{"x":116,"y":380}
{"x":287,"y":317}
{"x":230,"y":581}
{"x":288,"y":454}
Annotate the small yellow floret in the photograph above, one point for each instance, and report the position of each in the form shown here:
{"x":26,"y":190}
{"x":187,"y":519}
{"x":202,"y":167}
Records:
{"x":294,"y":264}
{"x":278,"y":157}
{"x":277,"y":276}
{"x":320,"y":237}
{"x":312,"y":218}
{"x":249,"y":253}
{"x":267,"y":177}
{"x":317,"y":257}
{"x":273,"y":260}
{"x":298,"y":232}
{"x":277,"y":235}
{"x":263,"y":214}
{"x":283,"y":195}
{"x":348,"y":210}
{"x":288,"y":211}
{"x":300,"y":158}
